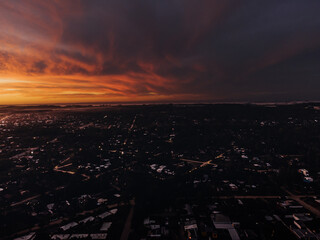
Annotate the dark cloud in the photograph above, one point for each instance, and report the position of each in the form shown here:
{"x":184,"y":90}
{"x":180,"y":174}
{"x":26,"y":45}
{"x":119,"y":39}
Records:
{"x":39,"y":67}
{"x":215,"y":50}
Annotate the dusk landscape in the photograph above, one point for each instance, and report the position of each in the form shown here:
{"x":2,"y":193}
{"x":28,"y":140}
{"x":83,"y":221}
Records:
{"x":140,"y":119}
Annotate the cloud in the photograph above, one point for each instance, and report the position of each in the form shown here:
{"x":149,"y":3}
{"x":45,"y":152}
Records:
{"x":148,"y":50}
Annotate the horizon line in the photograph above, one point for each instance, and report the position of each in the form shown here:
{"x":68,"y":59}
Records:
{"x":169,"y":103}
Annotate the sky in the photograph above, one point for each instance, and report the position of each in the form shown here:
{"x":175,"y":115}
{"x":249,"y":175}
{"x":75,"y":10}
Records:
{"x":159,"y":51}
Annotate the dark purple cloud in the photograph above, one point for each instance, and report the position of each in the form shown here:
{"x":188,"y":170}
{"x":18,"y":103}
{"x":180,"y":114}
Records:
{"x":208,"y":49}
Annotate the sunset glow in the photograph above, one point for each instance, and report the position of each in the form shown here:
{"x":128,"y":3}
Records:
{"x":84,"y":51}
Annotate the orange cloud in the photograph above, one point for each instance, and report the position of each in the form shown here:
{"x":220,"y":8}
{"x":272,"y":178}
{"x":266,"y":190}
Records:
{"x":106,"y":51}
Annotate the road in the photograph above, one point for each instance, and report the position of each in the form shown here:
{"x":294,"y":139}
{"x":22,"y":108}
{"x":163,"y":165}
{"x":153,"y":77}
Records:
{"x":127,"y":226}
{"x":297,"y":198}
{"x":202,"y":164}
{"x":64,"y":171}
{"x":133,"y":122}
{"x":130,"y":129}
{"x":59,"y":169}
{"x":25,"y":200}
